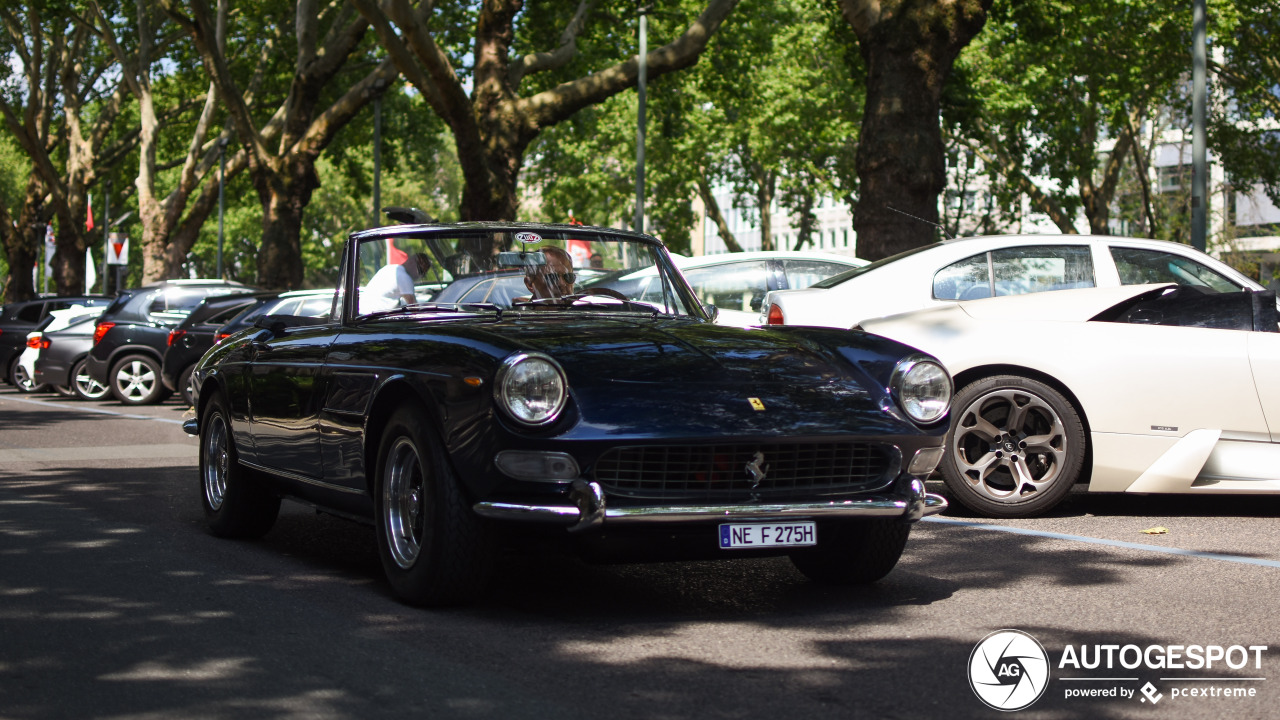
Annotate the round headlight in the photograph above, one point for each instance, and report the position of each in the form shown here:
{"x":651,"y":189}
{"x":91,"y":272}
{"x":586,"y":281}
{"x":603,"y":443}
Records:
{"x":922,"y":388}
{"x":531,"y":388}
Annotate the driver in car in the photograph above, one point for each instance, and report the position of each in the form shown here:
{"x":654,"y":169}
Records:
{"x":553,"y":280}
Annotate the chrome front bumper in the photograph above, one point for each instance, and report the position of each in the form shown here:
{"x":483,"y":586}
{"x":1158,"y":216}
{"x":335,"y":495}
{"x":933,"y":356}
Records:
{"x":907,"y":500}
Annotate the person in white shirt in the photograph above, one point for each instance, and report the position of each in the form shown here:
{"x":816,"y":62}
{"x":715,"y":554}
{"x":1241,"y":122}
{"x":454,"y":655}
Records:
{"x":392,"y":286}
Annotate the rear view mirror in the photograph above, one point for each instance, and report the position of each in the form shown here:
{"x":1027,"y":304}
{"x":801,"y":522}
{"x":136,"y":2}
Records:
{"x":521,"y":259}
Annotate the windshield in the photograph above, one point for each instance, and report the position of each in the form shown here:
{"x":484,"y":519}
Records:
{"x":521,"y":270}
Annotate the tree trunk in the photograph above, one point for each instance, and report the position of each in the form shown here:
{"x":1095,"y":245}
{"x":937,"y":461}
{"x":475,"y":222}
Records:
{"x":909,"y":48}
{"x":284,"y":198}
{"x":764,"y":200}
{"x":23,"y":242}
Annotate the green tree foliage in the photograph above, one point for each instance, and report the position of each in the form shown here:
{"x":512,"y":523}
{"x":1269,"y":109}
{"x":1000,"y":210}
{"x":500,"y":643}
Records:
{"x":1058,"y":94}
{"x":1245,"y":129}
{"x":770,"y":111}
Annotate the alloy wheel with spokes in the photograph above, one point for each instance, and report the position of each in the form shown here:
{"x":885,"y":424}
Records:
{"x":83,"y":384}
{"x":1015,"y":447}
{"x":135,"y":380}
{"x":23,"y":380}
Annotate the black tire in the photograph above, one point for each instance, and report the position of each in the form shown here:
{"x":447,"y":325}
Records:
{"x":83,"y":384}
{"x":65,"y":390}
{"x":236,"y":503}
{"x":1015,"y":448}
{"x":184,"y":385}
{"x":434,"y":549}
{"x":854,"y":553}
{"x":135,"y":380}
{"x":21,"y":380}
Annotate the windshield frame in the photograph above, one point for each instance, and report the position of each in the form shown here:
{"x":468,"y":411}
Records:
{"x":347,"y":292}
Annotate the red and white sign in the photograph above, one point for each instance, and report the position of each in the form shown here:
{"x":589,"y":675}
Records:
{"x":118,"y":249}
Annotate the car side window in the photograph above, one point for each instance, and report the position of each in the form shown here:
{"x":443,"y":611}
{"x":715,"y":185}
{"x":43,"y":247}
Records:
{"x":803,"y":273}
{"x":968,"y":279}
{"x":30,"y":313}
{"x":735,"y":286}
{"x":1041,"y":268}
{"x":1141,"y":267}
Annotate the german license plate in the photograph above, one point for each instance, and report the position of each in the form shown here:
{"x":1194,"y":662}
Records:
{"x":758,"y":535}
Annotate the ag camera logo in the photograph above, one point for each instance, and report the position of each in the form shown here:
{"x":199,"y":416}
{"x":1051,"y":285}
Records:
{"x":1008,"y":670}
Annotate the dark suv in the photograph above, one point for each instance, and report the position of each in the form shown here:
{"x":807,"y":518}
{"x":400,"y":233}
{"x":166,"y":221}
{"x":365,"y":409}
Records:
{"x":132,"y":335}
{"x":19,"y":318}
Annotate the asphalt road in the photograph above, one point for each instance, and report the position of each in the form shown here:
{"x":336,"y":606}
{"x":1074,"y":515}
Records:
{"x":115,"y":603}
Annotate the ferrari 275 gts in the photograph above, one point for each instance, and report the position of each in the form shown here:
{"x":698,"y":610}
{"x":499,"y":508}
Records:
{"x":573,"y":413}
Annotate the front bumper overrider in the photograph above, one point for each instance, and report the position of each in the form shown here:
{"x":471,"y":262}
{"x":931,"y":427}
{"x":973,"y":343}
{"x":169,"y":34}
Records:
{"x":906,"y":500}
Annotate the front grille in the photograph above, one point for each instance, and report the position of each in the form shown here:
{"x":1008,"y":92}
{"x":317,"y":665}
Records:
{"x":720,"y":473}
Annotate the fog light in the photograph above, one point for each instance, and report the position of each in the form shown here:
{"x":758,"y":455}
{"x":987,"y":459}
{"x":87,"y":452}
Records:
{"x":925,"y":461}
{"x":535,"y":465}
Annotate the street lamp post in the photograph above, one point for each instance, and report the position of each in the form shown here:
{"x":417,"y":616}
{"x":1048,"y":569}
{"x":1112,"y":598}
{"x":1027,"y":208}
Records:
{"x":1199,"y":141}
{"x":106,"y":238}
{"x":644,"y":50}
{"x":377,"y":159}
{"x":222,"y":200}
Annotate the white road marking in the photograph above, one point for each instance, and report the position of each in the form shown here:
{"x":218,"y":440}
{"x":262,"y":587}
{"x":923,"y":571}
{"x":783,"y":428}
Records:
{"x":57,"y":455}
{"x":100,"y":411}
{"x":1113,"y":543}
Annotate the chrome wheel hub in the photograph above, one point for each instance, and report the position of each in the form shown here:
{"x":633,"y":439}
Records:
{"x":1008,"y":445}
{"x":217,"y":462}
{"x":403,"y":503}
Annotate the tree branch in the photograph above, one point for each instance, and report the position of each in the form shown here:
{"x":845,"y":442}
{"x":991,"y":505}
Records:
{"x":534,"y":63}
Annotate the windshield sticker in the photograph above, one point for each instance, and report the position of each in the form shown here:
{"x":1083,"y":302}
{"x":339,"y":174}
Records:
{"x":528,"y":238}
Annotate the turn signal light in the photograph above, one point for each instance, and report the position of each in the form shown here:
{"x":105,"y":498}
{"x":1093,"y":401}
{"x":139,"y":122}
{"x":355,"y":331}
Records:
{"x":174,"y":335}
{"x":100,"y":330}
{"x":775,"y":315}
{"x":38,"y":342}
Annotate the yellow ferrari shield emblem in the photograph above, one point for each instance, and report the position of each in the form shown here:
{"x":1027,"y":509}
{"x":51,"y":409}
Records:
{"x":756,"y":404}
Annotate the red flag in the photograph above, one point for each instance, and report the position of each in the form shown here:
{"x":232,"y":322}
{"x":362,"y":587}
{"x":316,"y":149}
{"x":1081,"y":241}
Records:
{"x":395,"y":256}
{"x":88,"y":222}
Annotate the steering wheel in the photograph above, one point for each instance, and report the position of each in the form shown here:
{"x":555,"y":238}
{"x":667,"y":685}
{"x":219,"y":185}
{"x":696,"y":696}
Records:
{"x":607,"y":292}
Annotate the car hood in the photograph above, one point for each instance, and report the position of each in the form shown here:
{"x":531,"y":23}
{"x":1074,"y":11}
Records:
{"x":697,"y":378}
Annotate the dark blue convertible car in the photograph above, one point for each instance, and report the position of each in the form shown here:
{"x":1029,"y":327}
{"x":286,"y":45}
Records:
{"x":573,"y":413}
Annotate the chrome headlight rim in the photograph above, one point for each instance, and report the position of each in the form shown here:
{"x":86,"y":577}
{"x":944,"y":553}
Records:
{"x":898,"y":378}
{"x":504,"y":398}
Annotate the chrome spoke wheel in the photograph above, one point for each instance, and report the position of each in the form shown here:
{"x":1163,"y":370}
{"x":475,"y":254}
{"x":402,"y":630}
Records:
{"x":403,"y":502}
{"x":1009,"y":444}
{"x":217,"y":462}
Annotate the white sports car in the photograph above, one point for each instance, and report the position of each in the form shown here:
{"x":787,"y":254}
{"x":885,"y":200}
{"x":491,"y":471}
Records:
{"x":1141,"y":389}
{"x":977,"y":267}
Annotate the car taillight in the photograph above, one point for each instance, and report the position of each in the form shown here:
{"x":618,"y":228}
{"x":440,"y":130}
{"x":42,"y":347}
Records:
{"x":775,"y":315}
{"x":221,"y":337}
{"x":174,"y":335}
{"x":100,"y":330}
{"x":38,"y":342}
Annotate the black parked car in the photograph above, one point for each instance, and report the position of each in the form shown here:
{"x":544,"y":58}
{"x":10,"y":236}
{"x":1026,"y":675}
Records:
{"x":20,"y":318}
{"x":132,"y":334}
{"x":594,"y":419}
{"x":198,"y":332}
{"x":222,"y":316}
